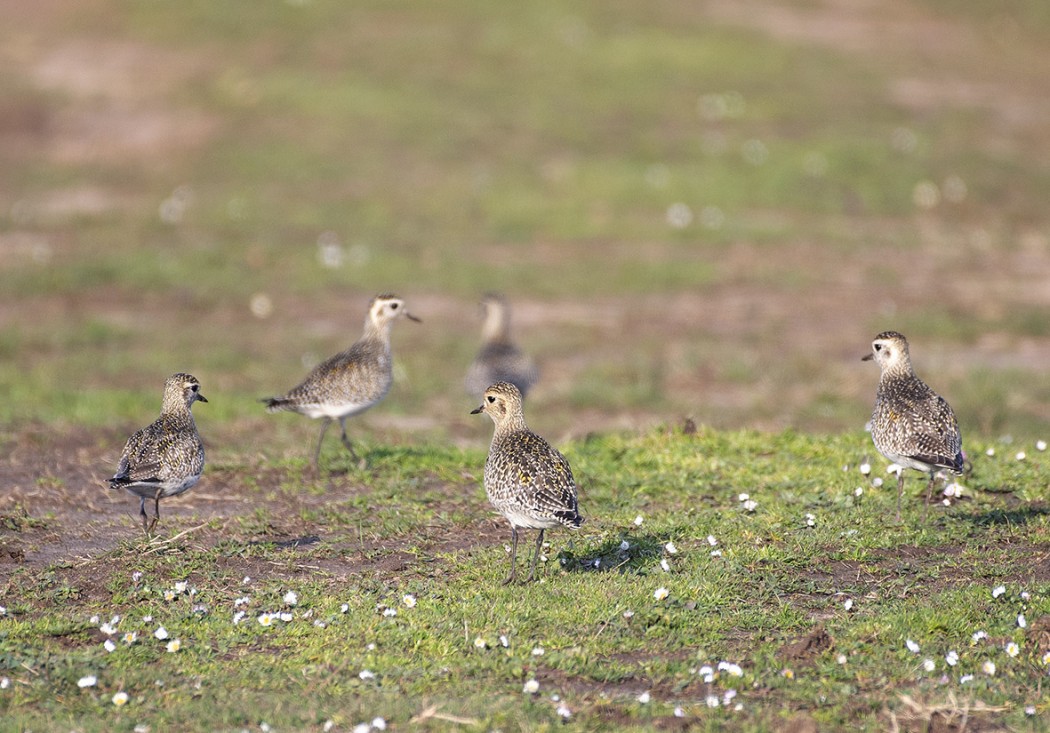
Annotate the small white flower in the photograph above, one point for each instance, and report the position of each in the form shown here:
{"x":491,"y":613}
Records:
{"x":531,"y":687}
{"x":671,"y":549}
{"x":131,"y":637}
{"x":108,"y":629}
{"x":161,"y":633}
{"x":733,"y":670}
{"x":169,"y":595}
{"x":660,"y":593}
{"x":120,"y":699}
{"x":638,"y":520}
{"x":504,"y":641}
{"x":1040,"y":445}
{"x":290,"y":598}
{"x":841,"y":659}
{"x":93,"y":620}
{"x":538,"y":651}
{"x":480,"y":643}
{"x":628,"y":613}
{"x":1046,"y":659}
{"x":247,"y":579}
{"x":951,"y":658}
{"x":564,"y":712}
{"x":4,"y":683}
{"x":679,"y":712}
{"x":366,"y":674}
{"x":716,"y":553}
{"x":978,"y":636}
{"x":990,"y":452}
{"x":173,"y":646}
{"x":644,"y":698}
{"x":87,"y":681}
{"x":998,"y":591}
{"x":858,"y":492}
{"x":409,"y":600}
{"x":147,"y":619}
{"x":711,"y":540}
{"x":1012,"y":649}
{"x":1022,"y":622}
{"x":1020,"y":455}
{"x":665,"y":565}
{"x":344,"y":608}
{"x":265,"y":619}
{"x":625,"y":546}
{"x":361,"y":728}
{"x":912,"y":646}
{"x":743,"y":497}
{"x":237,"y":617}
{"x":379,"y":723}
{"x":181,"y":586}
{"x":965,"y":678}
{"x":876,"y":482}
{"x":810,"y":520}
{"x":286,"y":617}
{"x":865,"y":468}
{"x":750,"y":505}
{"x":929,"y":665}
{"x":988,"y":668}
{"x":1025,"y":595}
{"x":706,"y":673}
{"x":388,"y":612}
{"x":1029,"y":710}
{"x":712,"y":701}
{"x":109,"y":646}
{"x":242,"y":601}
{"x":848,"y":604}
{"x":328,"y":725}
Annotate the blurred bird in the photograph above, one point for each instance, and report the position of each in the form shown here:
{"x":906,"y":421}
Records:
{"x":911,"y":424}
{"x":167,"y":457}
{"x":529,"y":482}
{"x":499,"y":359}
{"x":350,"y":382}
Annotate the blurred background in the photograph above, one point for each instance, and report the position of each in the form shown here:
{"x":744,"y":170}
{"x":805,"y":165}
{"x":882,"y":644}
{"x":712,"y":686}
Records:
{"x":699,"y":209}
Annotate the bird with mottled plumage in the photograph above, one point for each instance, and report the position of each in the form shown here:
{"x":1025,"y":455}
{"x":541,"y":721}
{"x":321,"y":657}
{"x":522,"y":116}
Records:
{"x":527,"y":481}
{"x":352,"y":381}
{"x":165,"y":458}
{"x":911,"y":425}
{"x":499,"y":359}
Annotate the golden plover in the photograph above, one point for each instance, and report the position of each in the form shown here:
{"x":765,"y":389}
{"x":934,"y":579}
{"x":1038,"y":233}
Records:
{"x":529,"y":482}
{"x":350,"y":382}
{"x":499,"y":360}
{"x":911,"y":425}
{"x":167,"y":457}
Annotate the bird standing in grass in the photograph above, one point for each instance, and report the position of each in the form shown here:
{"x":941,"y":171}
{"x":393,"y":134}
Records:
{"x":167,"y":457}
{"x":529,"y":482}
{"x":911,"y":425}
{"x":350,"y":382}
{"x":499,"y":359}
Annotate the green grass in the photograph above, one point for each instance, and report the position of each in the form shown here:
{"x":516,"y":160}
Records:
{"x":596,"y":637}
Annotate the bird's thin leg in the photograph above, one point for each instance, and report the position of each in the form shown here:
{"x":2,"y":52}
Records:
{"x":142,"y":511}
{"x":346,"y":440}
{"x":320,"y":439}
{"x":156,"y":511}
{"x":535,"y":556}
{"x":900,"y":492}
{"x":929,"y":495}
{"x":513,"y":556}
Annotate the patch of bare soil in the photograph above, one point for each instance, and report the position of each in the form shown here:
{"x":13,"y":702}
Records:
{"x":806,"y":648}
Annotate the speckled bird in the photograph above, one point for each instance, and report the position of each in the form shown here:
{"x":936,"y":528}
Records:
{"x":350,"y":382}
{"x":165,"y":458}
{"x":529,"y":482}
{"x":499,"y":359}
{"x":911,"y":425}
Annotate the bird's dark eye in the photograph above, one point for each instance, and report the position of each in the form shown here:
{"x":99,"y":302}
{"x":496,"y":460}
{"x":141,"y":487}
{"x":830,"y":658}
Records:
{"x":878,"y":347}
{"x":194,"y":387}
{"x":393,"y":306}
{"x":491,"y":399}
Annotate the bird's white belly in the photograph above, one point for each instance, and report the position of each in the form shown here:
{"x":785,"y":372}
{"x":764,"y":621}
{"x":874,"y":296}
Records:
{"x":336,"y":411}
{"x":528,"y":521}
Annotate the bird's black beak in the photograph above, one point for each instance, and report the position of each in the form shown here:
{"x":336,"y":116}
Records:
{"x":476,"y":410}
{"x":201,"y":397}
{"x":411,"y":317}
{"x":869,"y":357}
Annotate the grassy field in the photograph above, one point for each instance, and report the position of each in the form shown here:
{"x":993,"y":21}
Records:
{"x":697,"y":210}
